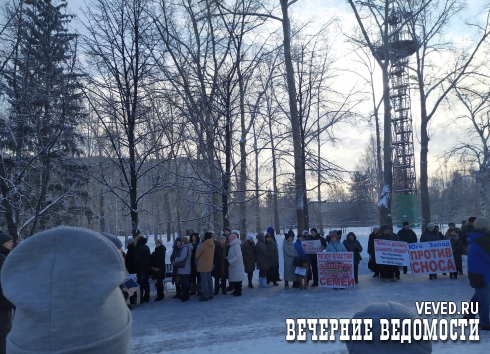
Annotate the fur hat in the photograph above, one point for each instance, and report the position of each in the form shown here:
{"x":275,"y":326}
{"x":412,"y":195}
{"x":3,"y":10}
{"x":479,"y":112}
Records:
{"x":430,"y":225}
{"x":406,"y":223}
{"x":387,"y":310}
{"x":313,"y":229}
{"x":208,"y":235}
{"x":4,"y":237}
{"x":482,"y":223}
{"x":77,"y":305}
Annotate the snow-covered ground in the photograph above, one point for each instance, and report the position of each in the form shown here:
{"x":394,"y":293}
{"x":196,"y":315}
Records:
{"x":256,"y":323}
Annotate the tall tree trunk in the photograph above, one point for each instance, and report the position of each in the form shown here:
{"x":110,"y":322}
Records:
{"x":482,"y":192}
{"x":294,"y":116}
{"x":242,"y":175}
{"x":227,"y":174}
{"x":424,"y":151}
{"x":319,"y":176}
{"x":275,"y":205}
{"x":257,"y":192}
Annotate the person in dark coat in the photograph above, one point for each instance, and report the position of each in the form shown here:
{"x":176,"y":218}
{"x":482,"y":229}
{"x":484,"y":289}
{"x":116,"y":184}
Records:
{"x":313,"y":259}
{"x":142,"y":265}
{"x":431,"y":234}
{"x":457,"y":248}
{"x":271,"y":231}
{"x":263,"y":263}
{"x":129,"y":259}
{"x":351,"y":244}
{"x":6,"y":306}
{"x":175,"y":275}
{"x":388,"y":271}
{"x":372,"y":254}
{"x":273,"y":259}
{"x":220,"y":268}
{"x":407,"y":235}
{"x":303,"y":279}
{"x":249,"y":255}
{"x":158,"y":267}
{"x":195,"y":279}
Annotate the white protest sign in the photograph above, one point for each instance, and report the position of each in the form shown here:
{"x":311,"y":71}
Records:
{"x":336,"y":269}
{"x":391,"y":252}
{"x":432,"y":257}
{"x":312,"y":246}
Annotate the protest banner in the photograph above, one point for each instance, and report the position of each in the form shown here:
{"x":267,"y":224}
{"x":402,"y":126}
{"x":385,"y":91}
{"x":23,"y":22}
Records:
{"x":464,"y":259}
{"x":336,"y":269}
{"x":391,"y":252}
{"x":432,"y":257}
{"x":311,"y":246}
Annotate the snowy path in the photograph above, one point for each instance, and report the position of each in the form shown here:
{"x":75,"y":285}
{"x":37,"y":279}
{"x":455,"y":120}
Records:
{"x":255,"y":322}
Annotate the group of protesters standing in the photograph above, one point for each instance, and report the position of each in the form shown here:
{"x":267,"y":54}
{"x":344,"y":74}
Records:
{"x":456,"y":236}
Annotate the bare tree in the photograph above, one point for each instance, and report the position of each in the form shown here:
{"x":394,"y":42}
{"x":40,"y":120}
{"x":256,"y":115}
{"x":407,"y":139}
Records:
{"x":435,"y":79}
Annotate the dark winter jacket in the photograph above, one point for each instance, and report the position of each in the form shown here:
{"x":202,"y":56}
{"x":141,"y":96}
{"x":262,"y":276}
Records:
{"x":220,"y":268}
{"x":158,"y":261}
{"x":193,"y":256}
{"x":353,"y":246}
{"x":262,"y":253}
{"x":273,"y":253}
{"x":479,"y":259}
{"x":457,"y":248}
{"x":175,"y":249}
{"x":371,"y":239}
{"x":142,"y":257}
{"x":5,"y":304}
{"x":270,"y":230}
{"x":407,"y":235}
{"x":322,"y":241}
{"x":249,"y":255}
{"x":129,"y":259}
{"x":430,"y":236}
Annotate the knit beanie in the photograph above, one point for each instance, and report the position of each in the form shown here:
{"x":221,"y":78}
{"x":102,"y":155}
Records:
{"x":313,"y":229}
{"x":4,"y":237}
{"x":68,"y":298}
{"x":270,"y":230}
{"x":305,"y":232}
{"x":116,"y":241}
{"x":227,"y":229}
{"x":208,"y":235}
{"x":430,"y":225}
{"x":482,"y":223}
{"x":388,"y":310}
{"x":250,"y":237}
{"x":232,"y":237}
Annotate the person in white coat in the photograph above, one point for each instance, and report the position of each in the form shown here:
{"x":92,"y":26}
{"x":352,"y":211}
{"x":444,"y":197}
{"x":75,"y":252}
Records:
{"x":236,"y":268}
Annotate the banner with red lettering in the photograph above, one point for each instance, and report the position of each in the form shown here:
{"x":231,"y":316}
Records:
{"x":432,"y":257}
{"x":391,"y":252}
{"x":336,"y":269}
{"x":312,"y":246}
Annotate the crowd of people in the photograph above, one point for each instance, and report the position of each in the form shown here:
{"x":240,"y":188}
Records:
{"x":70,"y":284}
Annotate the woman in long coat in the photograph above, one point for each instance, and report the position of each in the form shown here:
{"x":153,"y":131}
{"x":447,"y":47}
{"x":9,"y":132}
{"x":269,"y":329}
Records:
{"x":290,"y":254}
{"x":249,"y":258}
{"x":220,"y":268}
{"x":235,"y":264}
{"x":262,"y":260}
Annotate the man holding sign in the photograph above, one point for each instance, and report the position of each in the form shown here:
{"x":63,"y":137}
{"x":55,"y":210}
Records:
{"x":430,"y":235}
{"x":320,"y":244}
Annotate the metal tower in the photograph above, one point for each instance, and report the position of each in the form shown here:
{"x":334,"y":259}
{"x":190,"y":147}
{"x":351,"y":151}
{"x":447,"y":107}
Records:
{"x":402,"y":46}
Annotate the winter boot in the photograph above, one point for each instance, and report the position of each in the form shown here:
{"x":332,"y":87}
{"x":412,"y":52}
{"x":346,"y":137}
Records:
{"x":250,"y":285}
{"x":295,"y":284}
{"x":431,"y":277}
{"x":238,"y":289}
{"x":286,"y":285}
{"x":193,"y":289}
{"x":185,"y":294}
{"x":178,"y":289}
{"x":160,"y":294}
{"x":435,"y":276}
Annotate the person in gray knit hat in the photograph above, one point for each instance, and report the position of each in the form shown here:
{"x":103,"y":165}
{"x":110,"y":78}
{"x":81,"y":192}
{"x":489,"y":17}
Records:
{"x":77,"y":306}
{"x":387,"y":310}
{"x":6,"y":306}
